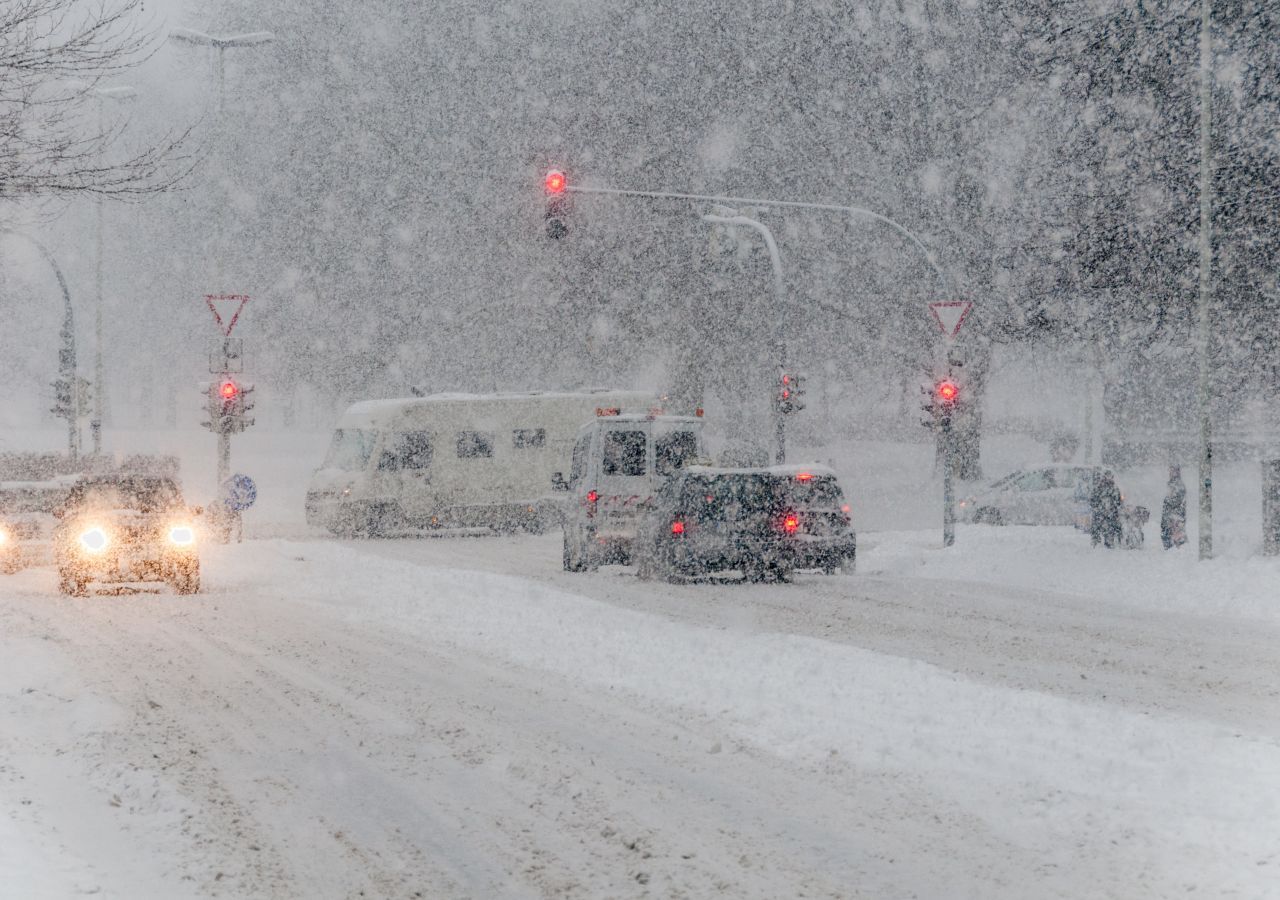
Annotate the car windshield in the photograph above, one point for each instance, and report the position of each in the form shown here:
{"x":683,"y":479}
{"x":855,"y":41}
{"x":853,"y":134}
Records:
{"x":138,"y":494}
{"x":350,"y":449}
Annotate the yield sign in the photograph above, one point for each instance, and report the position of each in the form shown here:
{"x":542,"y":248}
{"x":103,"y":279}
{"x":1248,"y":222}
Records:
{"x":950,"y":315}
{"x":226,"y":309}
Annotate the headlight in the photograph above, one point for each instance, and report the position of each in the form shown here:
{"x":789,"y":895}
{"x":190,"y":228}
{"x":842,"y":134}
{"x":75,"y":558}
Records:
{"x":94,"y":540}
{"x":182,"y":535}
{"x":4,"y":537}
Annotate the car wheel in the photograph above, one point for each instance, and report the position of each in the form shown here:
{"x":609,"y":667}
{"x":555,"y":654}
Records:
{"x":570,"y":563}
{"x":186,"y":579}
{"x":988,"y":515}
{"x":72,"y":584}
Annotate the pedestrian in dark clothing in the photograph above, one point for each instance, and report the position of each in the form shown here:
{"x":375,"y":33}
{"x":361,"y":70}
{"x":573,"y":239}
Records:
{"x":1173,"y":515}
{"x":1104,"y":506}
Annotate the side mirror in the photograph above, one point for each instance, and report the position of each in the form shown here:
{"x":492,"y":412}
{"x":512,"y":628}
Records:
{"x":197,"y":510}
{"x":558,"y":483}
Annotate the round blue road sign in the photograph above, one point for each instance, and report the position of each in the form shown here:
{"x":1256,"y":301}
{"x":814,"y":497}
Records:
{"x":239,"y":492}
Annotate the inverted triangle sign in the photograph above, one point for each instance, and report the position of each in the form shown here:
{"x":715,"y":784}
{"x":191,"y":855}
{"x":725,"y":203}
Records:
{"x":226,"y":309}
{"x":950,"y":315}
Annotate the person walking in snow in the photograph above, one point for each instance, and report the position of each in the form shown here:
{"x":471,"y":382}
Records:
{"x":1173,"y":515}
{"x":1104,"y":506}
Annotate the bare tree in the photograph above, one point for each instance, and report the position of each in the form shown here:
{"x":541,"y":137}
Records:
{"x":52,"y":55}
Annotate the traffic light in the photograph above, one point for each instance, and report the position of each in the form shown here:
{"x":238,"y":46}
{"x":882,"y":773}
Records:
{"x":790,"y":396}
{"x":948,"y":393}
{"x":558,"y":204}
{"x":228,"y":401}
{"x":63,"y":408}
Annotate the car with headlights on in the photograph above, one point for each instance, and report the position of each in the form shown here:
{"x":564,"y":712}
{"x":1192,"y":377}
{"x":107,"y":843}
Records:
{"x":762,"y":522}
{"x":27,"y":522}
{"x":121,"y":529}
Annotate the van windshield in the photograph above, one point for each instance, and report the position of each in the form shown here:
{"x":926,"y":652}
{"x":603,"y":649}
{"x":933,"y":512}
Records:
{"x":350,"y":449}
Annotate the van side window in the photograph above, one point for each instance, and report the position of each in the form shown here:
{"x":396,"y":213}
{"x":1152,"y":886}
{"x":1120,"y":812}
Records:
{"x":407,"y":450}
{"x":578,"y":465}
{"x":474,"y":445}
{"x":528,"y":438}
{"x":672,"y":451}
{"x":623,"y":453}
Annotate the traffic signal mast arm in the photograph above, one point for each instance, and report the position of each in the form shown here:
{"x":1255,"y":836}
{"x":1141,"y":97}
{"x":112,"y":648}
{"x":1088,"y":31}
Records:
{"x":785,"y":204}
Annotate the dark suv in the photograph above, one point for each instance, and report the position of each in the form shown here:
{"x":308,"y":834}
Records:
{"x":765,"y":523}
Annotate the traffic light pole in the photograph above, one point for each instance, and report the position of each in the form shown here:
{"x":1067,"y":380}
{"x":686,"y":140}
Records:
{"x":948,"y":490}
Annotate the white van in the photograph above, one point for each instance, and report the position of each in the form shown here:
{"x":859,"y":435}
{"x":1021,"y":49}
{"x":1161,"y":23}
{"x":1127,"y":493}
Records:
{"x":617,"y":464}
{"x":450,"y":460}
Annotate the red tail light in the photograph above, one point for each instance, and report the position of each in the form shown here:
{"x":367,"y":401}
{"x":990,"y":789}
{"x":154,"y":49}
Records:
{"x":677,"y":527}
{"x":805,"y":476}
{"x":791,"y":523}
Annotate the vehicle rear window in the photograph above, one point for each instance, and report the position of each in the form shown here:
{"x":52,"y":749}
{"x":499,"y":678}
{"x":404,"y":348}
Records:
{"x":349,"y":450}
{"x":474,"y":445}
{"x":624,"y":453}
{"x":814,"y":492}
{"x":671,"y":451}
{"x":731,"y":497}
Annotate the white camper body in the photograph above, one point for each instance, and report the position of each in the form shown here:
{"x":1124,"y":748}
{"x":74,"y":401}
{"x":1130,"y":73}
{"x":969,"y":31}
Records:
{"x":451,"y":460}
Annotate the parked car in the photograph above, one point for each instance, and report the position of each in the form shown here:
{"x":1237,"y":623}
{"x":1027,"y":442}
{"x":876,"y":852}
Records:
{"x":124,"y":529}
{"x":1047,"y":495}
{"x":763,"y":522}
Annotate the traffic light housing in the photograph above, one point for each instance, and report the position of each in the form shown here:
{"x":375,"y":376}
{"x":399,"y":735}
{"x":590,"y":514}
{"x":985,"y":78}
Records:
{"x":558,"y":204}
{"x":790,"y":395}
{"x":948,"y":392}
{"x":228,"y":402}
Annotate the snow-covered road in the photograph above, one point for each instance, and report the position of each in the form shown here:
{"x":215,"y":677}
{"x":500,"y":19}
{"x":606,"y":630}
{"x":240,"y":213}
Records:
{"x":458,"y":718}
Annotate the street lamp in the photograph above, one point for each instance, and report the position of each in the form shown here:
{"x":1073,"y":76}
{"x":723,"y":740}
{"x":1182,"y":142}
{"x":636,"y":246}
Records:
{"x":221,"y":44}
{"x":780,"y":295}
{"x":66,"y":355}
{"x":121,"y":94}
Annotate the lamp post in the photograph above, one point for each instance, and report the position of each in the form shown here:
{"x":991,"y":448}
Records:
{"x":1206,"y":286}
{"x":221,"y":44}
{"x":67,"y":353}
{"x":780,"y":295}
{"x":120,"y":93}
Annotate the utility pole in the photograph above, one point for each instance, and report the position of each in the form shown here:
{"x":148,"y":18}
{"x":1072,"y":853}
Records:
{"x":1206,"y":272}
{"x":230,"y":407}
{"x":731,"y":218}
{"x":99,"y":382}
{"x":67,"y":377}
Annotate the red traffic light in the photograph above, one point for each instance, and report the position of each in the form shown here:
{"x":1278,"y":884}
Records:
{"x":228,"y":390}
{"x":948,"y":391}
{"x":556,"y":182}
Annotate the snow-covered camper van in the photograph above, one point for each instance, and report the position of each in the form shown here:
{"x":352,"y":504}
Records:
{"x":450,"y":460}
